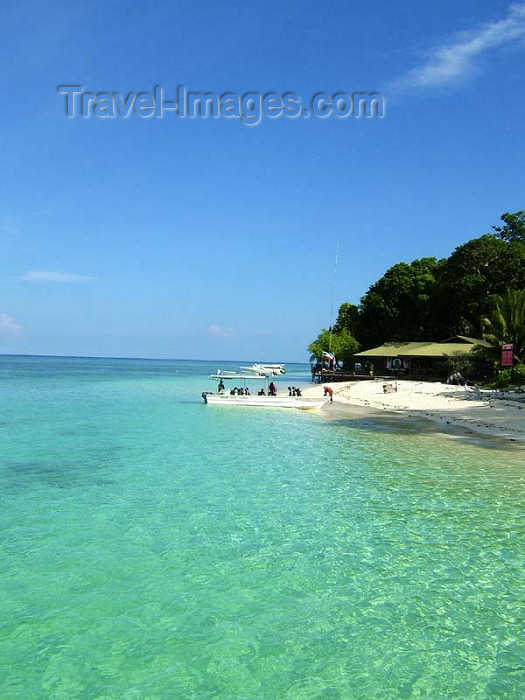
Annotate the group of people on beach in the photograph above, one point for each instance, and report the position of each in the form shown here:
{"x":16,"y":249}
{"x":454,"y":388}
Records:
{"x":294,"y":391}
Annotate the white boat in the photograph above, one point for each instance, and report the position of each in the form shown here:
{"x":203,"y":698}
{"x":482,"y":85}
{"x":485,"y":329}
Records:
{"x":266,"y":401}
{"x":243,"y":396}
{"x":270,"y":369}
{"x":225,"y":373}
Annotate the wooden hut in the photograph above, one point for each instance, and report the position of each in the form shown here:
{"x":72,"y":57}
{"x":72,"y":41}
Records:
{"x":425,"y":359}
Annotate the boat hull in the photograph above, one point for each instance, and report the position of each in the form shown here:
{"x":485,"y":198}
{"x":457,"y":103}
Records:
{"x":261,"y":401}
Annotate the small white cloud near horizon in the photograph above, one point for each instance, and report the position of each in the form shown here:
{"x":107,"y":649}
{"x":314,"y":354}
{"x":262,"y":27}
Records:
{"x":220,"y":332}
{"x":9,"y":328}
{"x":49,"y":276}
{"x":455,"y":61}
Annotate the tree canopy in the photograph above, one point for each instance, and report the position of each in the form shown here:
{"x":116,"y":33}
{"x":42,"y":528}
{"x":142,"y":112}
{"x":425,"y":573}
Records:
{"x":470,"y":277}
{"x":342,"y":344}
{"x":514,"y":229}
{"x":347,"y":319}
{"x":400,"y":304}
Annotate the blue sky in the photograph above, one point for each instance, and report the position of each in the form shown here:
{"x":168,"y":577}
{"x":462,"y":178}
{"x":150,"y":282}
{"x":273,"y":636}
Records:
{"x":207,"y":238}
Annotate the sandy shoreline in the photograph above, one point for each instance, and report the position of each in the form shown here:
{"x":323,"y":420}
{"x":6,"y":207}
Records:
{"x":470,"y":410}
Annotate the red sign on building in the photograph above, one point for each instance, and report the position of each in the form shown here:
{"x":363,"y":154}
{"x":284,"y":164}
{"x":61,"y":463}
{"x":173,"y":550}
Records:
{"x":507,"y":355}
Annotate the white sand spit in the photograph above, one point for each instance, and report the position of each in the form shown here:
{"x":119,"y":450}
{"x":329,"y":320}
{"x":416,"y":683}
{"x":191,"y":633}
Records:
{"x":481,"y":411}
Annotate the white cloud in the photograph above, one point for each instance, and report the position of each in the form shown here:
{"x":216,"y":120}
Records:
{"x":454,"y":61}
{"x":219,"y":332}
{"x":63,"y":277}
{"x":9,"y":327}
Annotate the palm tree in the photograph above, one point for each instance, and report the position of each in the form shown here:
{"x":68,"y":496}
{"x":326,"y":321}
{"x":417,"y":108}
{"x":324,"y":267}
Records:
{"x":507,"y":323}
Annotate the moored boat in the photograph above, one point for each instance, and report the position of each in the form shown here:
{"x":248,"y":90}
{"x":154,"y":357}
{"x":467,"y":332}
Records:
{"x":271,"y":369}
{"x":266,"y":397}
{"x":262,"y":401}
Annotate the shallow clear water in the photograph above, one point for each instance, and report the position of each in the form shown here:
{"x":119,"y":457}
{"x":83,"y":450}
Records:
{"x":155,"y":547}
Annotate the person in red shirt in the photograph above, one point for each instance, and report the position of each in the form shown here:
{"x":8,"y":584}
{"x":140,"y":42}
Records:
{"x":329,"y":392}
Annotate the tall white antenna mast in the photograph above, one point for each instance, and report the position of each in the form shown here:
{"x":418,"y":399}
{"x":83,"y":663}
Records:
{"x":333,"y":295}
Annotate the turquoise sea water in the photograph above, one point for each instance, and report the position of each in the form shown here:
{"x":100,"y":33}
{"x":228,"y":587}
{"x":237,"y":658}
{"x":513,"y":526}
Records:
{"x":155,"y":547}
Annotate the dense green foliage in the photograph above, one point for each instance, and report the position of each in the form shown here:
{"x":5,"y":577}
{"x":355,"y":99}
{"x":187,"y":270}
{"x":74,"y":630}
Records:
{"x":514,"y":229}
{"x":347,"y":319}
{"x":506,"y":323}
{"x":469,"y":279}
{"x":342,"y":344}
{"x":430,"y":299}
{"x":514,"y":376}
{"x":400,"y":305}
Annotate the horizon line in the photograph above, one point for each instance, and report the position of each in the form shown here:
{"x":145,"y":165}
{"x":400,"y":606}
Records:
{"x":116,"y":357}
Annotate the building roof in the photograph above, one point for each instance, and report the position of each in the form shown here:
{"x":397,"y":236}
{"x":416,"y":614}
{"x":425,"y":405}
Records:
{"x":426,"y":349}
{"x":391,"y":349}
{"x":465,"y":339}
{"x":442,"y":350}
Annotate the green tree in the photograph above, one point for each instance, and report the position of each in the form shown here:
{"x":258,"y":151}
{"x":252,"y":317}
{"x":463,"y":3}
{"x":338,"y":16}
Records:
{"x":399,"y":306}
{"x":514,"y":229}
{"x":347,"y":319}
{"x":471,"y":276}
{"x":506,"y":323}
{"x":342,"y":344}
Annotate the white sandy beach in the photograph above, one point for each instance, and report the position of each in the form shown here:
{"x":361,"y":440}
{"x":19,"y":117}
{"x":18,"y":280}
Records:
{"x":488,"y":412}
